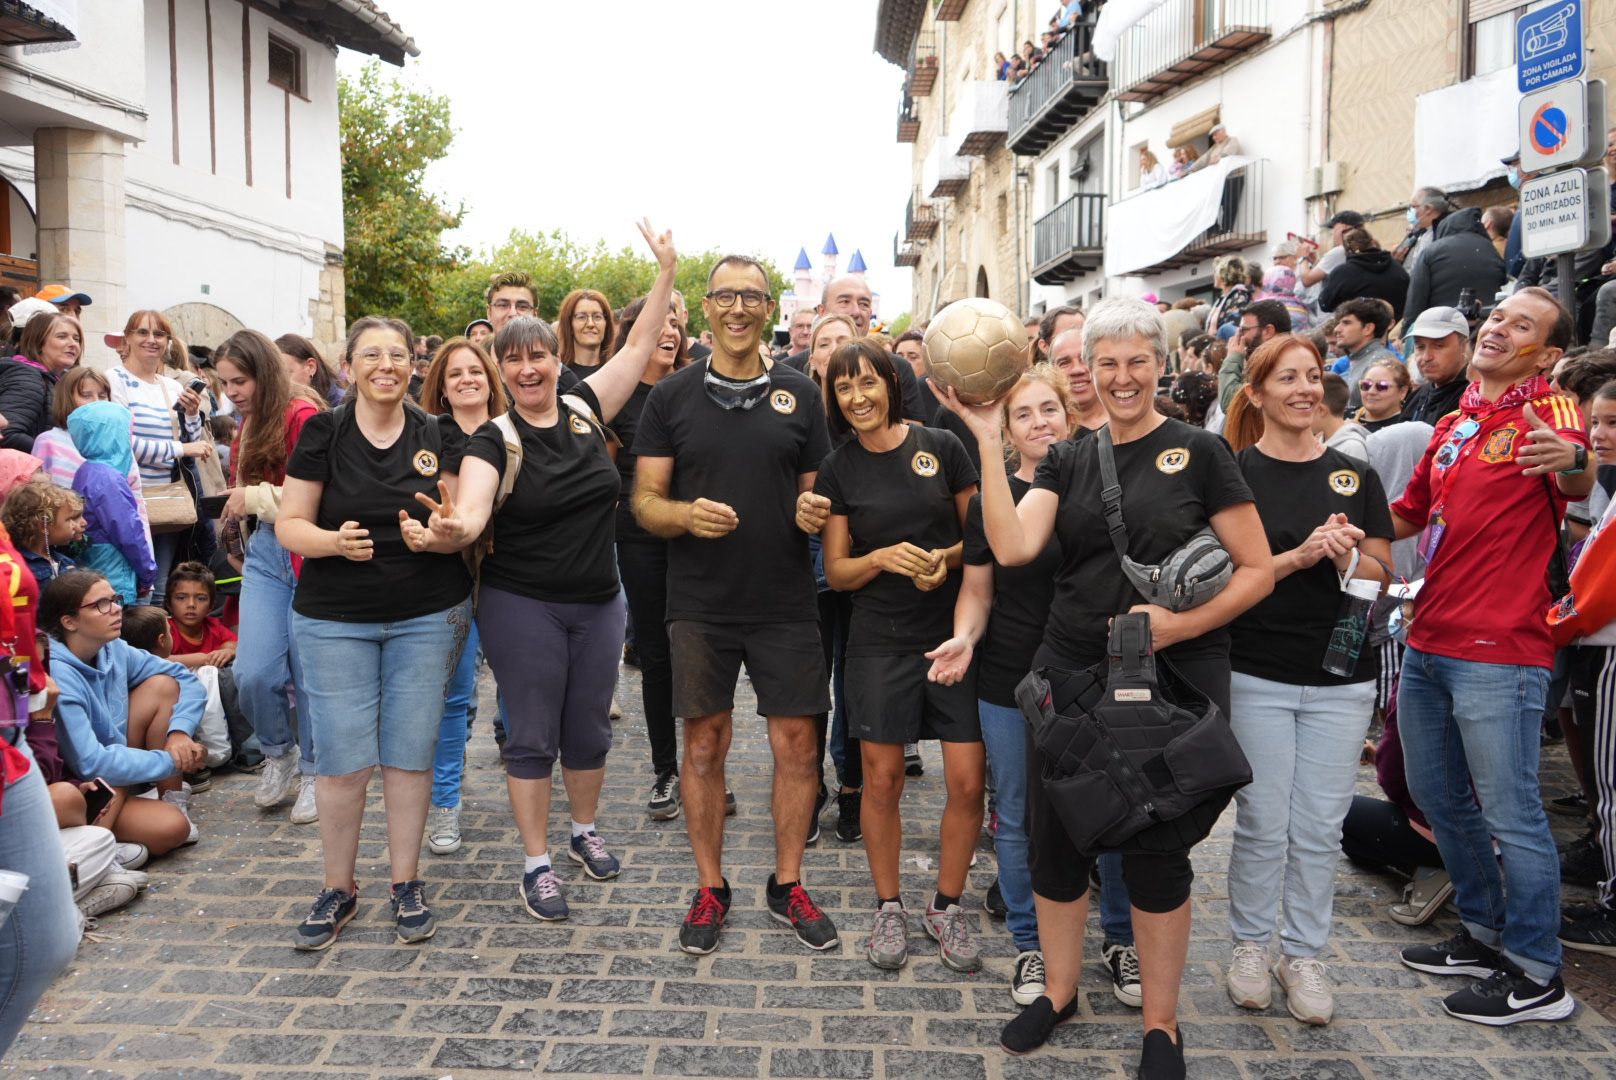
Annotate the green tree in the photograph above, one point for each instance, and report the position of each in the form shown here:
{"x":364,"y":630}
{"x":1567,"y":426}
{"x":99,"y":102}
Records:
{"x":393,"y":225}
{"x":900,"y":326}
{"x":559,"y":264}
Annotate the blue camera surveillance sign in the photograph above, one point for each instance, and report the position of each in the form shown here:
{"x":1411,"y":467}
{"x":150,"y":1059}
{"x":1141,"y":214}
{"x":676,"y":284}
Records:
{"x":1548,"y":46}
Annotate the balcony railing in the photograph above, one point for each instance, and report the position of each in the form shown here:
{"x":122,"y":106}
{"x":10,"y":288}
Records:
{"x":1241,"y":221}
{"x":980,"y":119}
{"x":923,"y":65}
{"x":1060,"y":92}
{"x":908,"y":121}
{"x":942,"y":175}
{"x":919,"y":220}
{"x":1181,"y":40}
{"x":949,"y":10}
{"x":903,"y":252}
{"x":1069,"y":240}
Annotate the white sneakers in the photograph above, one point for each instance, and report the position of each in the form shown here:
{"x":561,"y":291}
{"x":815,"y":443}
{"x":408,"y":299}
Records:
{"x":114,"y":891}
{"x":1303,"y":978}
{"x":276,"y":779}
{"x":443,"y":830}
{"x":181,"y":801}
{"x":304,"y":811}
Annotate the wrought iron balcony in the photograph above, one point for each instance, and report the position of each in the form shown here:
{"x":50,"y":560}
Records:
{"x":919,"y":220}
{"x":942,"y":175}
{"x":903,"y":252}
{"x":980,"y":119}
{"x":908,"y":121}
{"x":949,"y":10}
{"x":1069,"y":240}
{"x":1182,"y":40}
{"x":1060,"y":92}
{"x":923,"y":65}
{"x":1241,"y":221}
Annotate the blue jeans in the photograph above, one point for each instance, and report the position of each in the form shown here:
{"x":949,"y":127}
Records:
{"x":267,"y":660}
{"x":450,"y":763}
{"x":1471,"y":732}
{"x":1303,"y":743}
{"x":39,"y":939}
{"x":1004,"y":735}
{"x":374,"y":692}
{"x":1116,"y":913}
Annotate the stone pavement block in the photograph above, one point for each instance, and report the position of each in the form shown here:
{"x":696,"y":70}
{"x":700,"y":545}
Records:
{"x":302,"y":986}
{"x":1338,"y":1035}
{"x":50,"y":1046}
{"x":934,"y":1065}
{"x":868,"y":1030}
{"x":838,"y":1064}
{"x":415,"y":989}
{"x":1304,"y":1068}
{"x":454,"y":1019}
{"x":1037,"y":1067}
{"x":657,"y":1024}
{"x":144,"y":1047}
{"x":915,"y":999}
{"x":515,"y":1055}
{"x":813,"y":997}
{"x":488,"y":989}
{"x":1541,"y":1068}
{"x":548,"y":1021}
{"x":606,"y":991}
{"x":662,"y":964}
{"x":574,"y":1057}
{"x":273,"y":1049}
{"x":191,"y":1074}
{"x":380,"y":1051}
{"x":242,"y":1014}
{"x":547,"y":963}
{"x":721,"y":1061}
{"x":732,"y":996}
{"x":763,"y":1027}
{"x":357,"y":1017}
{"x":1423,"y":1068}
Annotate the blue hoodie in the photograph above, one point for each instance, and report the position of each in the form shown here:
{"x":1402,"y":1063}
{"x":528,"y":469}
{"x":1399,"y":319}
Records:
{"x":118,"y":545}
{"x":93,"y":710}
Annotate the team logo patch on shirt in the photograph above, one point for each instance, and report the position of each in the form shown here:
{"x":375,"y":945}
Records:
{"x":579,"y":425}
{"x":783,"y":402}
{"x":1172,"y":461}
{"x":924,"y":464}
{"x":1344,"y":482}
{"x":1500,"y":445}
{"x":425,"y":462}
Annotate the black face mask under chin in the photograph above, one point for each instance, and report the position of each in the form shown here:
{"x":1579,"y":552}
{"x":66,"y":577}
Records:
{"x":732,"y":394}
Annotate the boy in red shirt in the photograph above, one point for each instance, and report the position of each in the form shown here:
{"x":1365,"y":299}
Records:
{"x":200,"y":640}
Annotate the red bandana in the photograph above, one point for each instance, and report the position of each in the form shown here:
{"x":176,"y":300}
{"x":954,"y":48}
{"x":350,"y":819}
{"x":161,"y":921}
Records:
{"x":1471,"y":401}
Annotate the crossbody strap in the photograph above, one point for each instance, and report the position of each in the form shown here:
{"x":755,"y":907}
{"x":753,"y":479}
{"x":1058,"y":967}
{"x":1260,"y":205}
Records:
{"x":1111,"y":493}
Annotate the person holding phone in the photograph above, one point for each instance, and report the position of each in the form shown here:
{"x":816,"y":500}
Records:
{"x":124,"y":715}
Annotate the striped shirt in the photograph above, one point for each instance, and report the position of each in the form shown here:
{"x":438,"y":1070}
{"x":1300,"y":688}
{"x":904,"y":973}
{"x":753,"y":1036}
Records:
{"x":152,"y":405}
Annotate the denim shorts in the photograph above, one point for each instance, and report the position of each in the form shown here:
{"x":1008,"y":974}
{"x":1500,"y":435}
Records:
{"x":374,"y":692}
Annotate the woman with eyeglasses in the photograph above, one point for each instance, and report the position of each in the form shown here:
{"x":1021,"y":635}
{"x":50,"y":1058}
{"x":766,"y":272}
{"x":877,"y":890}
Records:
{"x":1301,"y":726}
{"x":168,"y":424}
{"x":585,"y":330}
{"x":1384,"y":386}
{"x":378,"y":626}
{"x":550,"y":610}
{"x":124,"y":716}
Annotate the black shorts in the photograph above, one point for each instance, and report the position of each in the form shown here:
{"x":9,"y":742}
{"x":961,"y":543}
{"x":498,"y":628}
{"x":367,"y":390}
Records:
{"x":784,"y":660}
{"x":890,"y":700}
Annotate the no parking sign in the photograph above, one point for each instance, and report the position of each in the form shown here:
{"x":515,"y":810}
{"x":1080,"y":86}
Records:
{"x":1562,"y":125}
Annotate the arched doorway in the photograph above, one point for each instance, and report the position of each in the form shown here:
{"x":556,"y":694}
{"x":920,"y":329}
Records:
{"x":19,"y":241}
{"x":982,"y":281}
{"x":198,"y":323}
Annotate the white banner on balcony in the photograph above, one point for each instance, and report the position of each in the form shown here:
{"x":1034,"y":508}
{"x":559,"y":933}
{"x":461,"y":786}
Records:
{"x":1461,"y":131}
{"x":1152,"y":227}
{"x":1115,"y":18}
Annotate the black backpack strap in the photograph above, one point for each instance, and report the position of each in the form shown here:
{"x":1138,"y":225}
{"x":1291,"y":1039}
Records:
{"x":1111,"y":493}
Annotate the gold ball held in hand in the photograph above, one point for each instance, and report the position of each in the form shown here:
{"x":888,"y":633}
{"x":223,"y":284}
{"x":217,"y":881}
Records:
{"x":979,"y":347}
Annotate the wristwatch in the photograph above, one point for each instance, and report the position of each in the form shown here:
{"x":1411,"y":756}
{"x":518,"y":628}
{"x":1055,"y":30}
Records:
{"x":1580,"y":464}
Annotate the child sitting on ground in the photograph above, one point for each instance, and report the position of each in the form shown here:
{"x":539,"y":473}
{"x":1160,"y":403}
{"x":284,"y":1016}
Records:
{"x":43,"y":519}
{"x":199,"y":639}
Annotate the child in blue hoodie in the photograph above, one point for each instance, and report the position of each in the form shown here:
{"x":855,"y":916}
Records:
{"x":118,"y":545}
{"x":124,"y":715}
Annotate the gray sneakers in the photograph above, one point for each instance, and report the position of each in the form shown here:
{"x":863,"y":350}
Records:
{"x":1307,"y":989}
{"x":1248,"y":981}
{"x":443,"y":830}
{"x":276,"y":780}
{"x":888,"y":944}
{"x":543,"y":895}
{"x":305,"y":811}
{"x":953,"y":936}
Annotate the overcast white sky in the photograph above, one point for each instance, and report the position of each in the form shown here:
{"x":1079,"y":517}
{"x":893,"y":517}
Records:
{"x":752,"y":125}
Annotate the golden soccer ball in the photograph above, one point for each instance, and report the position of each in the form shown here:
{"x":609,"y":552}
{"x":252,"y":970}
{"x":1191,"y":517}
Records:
{"x":979,"y":347}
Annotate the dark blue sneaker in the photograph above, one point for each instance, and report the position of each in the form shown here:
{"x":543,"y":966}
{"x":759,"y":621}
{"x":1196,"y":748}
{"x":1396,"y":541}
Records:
{"x":412,"y":916}
{"x":331,"y":911}
{"x":590,"y":851}
{"x":543,"y":895}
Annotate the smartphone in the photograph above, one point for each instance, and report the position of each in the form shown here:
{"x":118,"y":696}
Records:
{"x":200,"y":385}
{"x":213,"y":505}
{"x":96,"y":798}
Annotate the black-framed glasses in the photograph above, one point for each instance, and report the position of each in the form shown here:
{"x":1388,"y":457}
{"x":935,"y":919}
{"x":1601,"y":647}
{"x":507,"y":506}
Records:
{"x":1376,"y":384}
{"x":751,"y":299}
{"x":106,"y":605}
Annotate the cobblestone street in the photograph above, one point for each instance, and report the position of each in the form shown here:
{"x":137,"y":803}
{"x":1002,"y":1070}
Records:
{"x":198,"y":980}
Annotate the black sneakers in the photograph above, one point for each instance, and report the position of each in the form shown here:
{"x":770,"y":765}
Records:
{"x":798,"y":911}
{"x":331,"y":911}
{"x":1508,"y":997}
{"x":849,"y":807}
{"x":993,"y":902}
{"x":1582,"y":862}
{"x":819,"y":808}
{"x":1461,"y":954}
{"x":1594,"y":931}
{"x":699,"y":933}
{"x":1160,"y":1058}
{"x":912,"y":764}
{"x":1032,"y":1028}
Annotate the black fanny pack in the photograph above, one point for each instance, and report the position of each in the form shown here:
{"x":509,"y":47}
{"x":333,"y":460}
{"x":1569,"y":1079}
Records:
{"x":1135,"y":758}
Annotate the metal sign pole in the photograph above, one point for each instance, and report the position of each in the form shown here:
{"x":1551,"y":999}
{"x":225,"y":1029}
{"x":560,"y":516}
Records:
{"x":1567,"y":268}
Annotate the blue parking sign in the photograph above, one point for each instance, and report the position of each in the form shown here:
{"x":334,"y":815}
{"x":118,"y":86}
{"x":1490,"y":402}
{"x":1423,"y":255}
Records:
{"x":1548,"y":46}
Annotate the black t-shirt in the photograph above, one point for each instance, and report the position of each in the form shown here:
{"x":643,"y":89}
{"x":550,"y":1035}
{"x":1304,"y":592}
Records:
{"x":553,"y":536}
{"x":1285,"y":637}
{"x":903,"y":494}
{"x":914,"y":404}
{"x":1021,"y":598}
{"x":1376,"y":425}
{"x":583,"y":371}
{"x":750,"y":459}
{"x":1173,"y":481}
{"x":946,"y":420}
{"x":370,"y":485}
{"x":625,"y":424}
